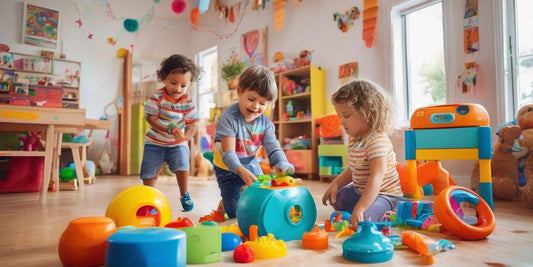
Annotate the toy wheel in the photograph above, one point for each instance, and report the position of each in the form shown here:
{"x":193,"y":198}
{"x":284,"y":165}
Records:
{"x":447,"y":217}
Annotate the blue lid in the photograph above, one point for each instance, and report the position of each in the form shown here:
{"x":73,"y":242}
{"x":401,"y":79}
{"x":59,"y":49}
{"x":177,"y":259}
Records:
{"x":149,"y":234}
{"x":368,"y":245}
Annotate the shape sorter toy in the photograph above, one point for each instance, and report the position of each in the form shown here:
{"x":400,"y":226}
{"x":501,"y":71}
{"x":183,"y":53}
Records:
{"x":332,"y":160}
{"x":449,"y":132}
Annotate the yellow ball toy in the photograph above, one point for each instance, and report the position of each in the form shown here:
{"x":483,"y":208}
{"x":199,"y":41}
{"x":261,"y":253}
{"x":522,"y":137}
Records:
{"x":140,"y":206}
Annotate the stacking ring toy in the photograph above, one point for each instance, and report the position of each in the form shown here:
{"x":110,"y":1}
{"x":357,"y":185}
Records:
{"x":445,"y":207}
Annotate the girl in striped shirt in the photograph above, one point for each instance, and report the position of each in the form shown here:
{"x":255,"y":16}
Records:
{"x":370,"y":186}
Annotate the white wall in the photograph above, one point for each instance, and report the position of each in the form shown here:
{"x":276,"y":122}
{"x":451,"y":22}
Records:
{"x":101,"y":72}
{"x":310,"y":26}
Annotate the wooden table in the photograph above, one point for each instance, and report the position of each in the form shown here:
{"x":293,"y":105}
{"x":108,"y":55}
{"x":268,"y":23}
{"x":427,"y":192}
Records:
{"x":26,"y":118}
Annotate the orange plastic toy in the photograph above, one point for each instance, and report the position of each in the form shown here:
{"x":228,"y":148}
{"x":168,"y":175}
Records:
{"x":370,"y":20}
{"x":84,"y":241}
{"x":330,"y":126}
{"x":215,"y":216}
{"x":452,"y":222}
{"x":430,"y":172}
{"x":315,"y":239}
{"x":419,"y":243}
{"x":450,"y":116}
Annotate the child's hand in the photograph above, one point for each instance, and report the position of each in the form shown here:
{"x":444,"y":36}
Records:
{"x":247,"y":176}
{"x":175,"y":131}
{"x":285,"y":167}
{"x":357,"y":216}
{"x":331,"y":195}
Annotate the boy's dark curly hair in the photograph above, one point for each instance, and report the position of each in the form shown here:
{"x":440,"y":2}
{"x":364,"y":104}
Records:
{"x":180,"y":64}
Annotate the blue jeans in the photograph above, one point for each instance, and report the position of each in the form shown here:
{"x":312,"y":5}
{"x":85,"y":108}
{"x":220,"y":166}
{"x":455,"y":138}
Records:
{"x":154,"y":156}
{"x":231,"y":184}
{"x":349,"y":195}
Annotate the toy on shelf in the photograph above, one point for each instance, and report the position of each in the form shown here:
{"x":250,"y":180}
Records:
{"x":140,"y":206}
{"x":304,"y":58}
{"x":31,"y":142}
{"x":299,"y":142}
{"x":454,"y":131}
{"x":424,"y":245}
{"x":281,"y":65}
{"x":450,"y":215}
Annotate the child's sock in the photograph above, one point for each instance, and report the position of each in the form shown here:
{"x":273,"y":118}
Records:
{"x":186,"y":202}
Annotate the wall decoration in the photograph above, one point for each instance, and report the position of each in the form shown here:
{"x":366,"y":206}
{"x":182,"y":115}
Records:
{"x":468,"y":79}
{"x":345,"y":20}
{"x":370,"y":20}
{"x":471,"y":39}
{"x":224,"y":14}
{"x":348,"y":71}
{"x":253,"y":46}
{"x":279,"y":14}
{"x":40,"y":26}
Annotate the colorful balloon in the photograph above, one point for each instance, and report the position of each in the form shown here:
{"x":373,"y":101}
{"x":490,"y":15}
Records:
{"x":195,"y":15}
{"x":131,"y":25}
{"x":178,"y":6}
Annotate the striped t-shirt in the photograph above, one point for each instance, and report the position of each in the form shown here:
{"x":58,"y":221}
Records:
{"x":168,"y":110}
{"x":362,"y":151}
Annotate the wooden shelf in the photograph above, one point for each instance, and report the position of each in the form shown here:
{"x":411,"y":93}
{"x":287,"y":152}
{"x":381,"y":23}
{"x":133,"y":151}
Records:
{"x":29,"y":71}
{"x":301,"y":95}
{"x":22,"y":153}
{"x":303,"y":71}
{"x":298,"y":121}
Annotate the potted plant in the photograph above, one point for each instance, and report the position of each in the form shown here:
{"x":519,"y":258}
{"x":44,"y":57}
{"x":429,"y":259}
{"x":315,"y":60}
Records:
{"x":231,"y":71}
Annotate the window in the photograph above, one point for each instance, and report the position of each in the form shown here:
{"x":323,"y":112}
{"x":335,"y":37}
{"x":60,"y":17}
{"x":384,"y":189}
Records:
{"x":207,"y":61}
{"x":422,"y":74}
{"x":521,"y":42}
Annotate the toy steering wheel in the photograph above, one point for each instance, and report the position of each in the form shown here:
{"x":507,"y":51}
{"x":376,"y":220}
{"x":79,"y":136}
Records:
{"x":445,"y":211}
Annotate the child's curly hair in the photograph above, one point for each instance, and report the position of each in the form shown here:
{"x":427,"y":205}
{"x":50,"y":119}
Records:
{"x":370,"y":101}
{"x":180,"y":64}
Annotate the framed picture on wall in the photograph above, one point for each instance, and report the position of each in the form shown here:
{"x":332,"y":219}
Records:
{"x":40,"y":26}
{"x":253,"y":47}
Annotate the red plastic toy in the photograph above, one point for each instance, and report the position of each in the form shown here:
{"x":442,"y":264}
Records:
{"x":243,"y":254}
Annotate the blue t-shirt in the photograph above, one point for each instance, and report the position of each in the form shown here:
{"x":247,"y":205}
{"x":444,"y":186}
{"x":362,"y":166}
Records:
{"x":249,"y":137}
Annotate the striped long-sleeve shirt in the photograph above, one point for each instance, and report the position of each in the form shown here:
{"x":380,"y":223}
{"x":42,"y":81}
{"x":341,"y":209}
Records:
{"x":168,"y":110}
{"x":362,"y":151}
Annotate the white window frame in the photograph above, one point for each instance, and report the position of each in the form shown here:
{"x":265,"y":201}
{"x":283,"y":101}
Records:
{"x":506,"y":61}
{"x":199,"y":57}
{"x":399,"y":54}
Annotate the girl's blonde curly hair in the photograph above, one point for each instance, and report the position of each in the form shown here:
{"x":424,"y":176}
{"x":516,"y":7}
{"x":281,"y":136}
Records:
{"x":370,"y":101}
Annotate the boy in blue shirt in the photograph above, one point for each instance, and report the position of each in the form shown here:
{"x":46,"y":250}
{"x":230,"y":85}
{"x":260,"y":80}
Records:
{"x":241,"y":131}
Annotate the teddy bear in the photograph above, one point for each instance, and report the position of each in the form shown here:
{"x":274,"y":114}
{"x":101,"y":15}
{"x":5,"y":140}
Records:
{"x":504,"y":165}
{"x":524,"y":118}
{"x":204,"y":168}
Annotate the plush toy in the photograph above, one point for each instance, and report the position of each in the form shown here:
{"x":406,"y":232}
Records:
{"x":304,"y":58}
{"x":504,"y":165}
{"x":204,"y":168}
{"x":31,"y":142}
{"x":524,"y":117}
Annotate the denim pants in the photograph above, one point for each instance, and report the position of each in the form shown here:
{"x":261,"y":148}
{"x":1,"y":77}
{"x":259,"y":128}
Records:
{"x":349,"y":195}
{"x":154,"y":156}
{"x":231,"y":186}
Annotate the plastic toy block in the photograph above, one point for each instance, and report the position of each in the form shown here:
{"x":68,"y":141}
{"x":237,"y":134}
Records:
{"x":453,"y":154}
{"x":325,"y":171}
{"x":484,"y":170}
{"x":329,"y":161}
{"x":485,"y":142}
{"x":447,"y":138}
{"x":410,"y":145}
{"x":333,"y":150}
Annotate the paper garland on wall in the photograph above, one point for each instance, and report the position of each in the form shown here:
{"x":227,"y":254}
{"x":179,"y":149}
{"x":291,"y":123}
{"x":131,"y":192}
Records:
{"x":370,"y":20}
{"x":345,"y":20}
{"x":205,"y":28}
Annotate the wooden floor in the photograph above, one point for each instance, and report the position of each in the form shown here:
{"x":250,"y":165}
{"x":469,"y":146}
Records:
{"x":29,"y":231}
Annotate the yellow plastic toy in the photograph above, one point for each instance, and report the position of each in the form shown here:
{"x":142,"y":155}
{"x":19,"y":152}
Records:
{"x":140,"y":206}
{"x":232,"y":228}
{"x":268,"y":247}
